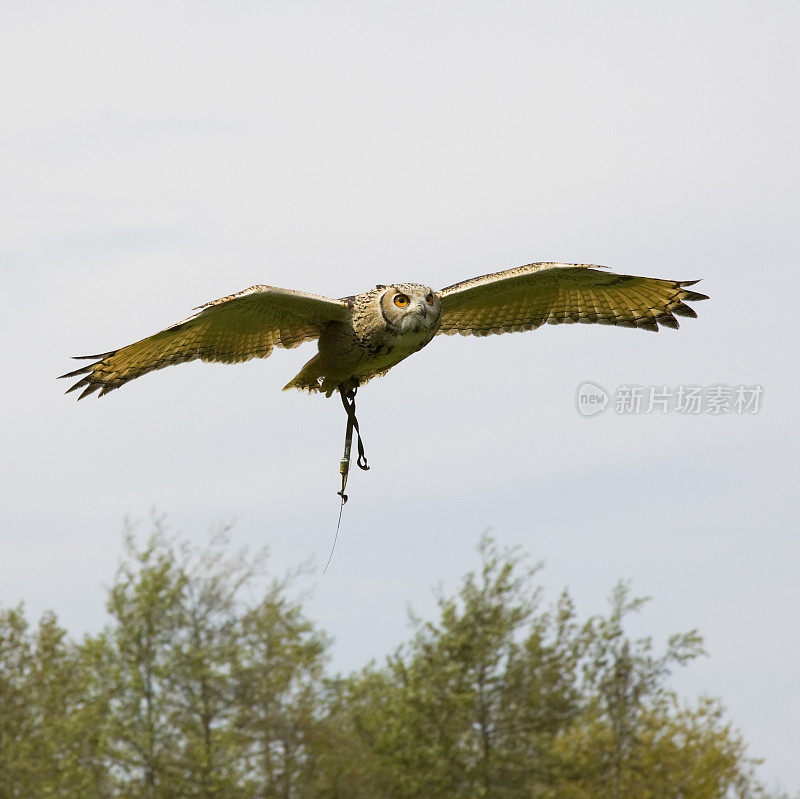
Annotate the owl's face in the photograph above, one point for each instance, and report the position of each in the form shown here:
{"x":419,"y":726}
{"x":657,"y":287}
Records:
{"x":410,"y":308}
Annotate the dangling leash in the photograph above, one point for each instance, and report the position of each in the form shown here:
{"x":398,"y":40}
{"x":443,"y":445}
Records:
{"x":349,"y":401}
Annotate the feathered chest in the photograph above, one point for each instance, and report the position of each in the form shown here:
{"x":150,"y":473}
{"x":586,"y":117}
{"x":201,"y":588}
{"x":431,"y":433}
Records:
{"x":386,"y":348}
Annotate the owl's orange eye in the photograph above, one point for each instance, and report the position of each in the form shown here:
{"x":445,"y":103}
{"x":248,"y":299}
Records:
{"x":400,"y":300}
{"x":429,"y":299}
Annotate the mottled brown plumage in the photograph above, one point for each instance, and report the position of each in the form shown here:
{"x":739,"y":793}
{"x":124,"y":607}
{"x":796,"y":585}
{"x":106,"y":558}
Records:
{"x":364,"y":336}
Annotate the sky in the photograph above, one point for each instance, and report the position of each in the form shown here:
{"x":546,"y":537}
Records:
{"x":160,"y":155}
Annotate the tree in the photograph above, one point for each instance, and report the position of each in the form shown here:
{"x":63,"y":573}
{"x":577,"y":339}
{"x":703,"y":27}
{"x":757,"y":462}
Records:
{"x":203,"y":660}
{"x":209,"y":697}
{"x":277,"y":678}
{"x":50,"y":712}
{"x":145,"y":604}
{"x":194,"y":689}
{"x":462,"y":709}
{"x":17,"y":727}
{"x":500,"y":698}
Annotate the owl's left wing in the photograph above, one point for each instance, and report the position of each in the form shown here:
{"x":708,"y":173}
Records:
{"x":525,"y":297}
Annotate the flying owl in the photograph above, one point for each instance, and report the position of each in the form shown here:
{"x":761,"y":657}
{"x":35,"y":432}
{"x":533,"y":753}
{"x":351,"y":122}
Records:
{"x":363,"y":336}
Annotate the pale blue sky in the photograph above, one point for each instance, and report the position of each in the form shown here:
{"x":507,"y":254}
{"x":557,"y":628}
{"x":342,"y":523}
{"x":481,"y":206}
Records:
{"x":157,"y":156}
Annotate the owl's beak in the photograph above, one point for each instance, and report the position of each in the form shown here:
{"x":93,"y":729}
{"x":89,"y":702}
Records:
{"x":423,"y":311}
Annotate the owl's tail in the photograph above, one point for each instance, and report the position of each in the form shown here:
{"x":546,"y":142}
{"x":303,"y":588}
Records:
{"x":309,"y":378}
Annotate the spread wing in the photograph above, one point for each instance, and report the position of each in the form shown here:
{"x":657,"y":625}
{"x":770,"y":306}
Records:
{"x":526,"y":297}
{"x":229,"y":330}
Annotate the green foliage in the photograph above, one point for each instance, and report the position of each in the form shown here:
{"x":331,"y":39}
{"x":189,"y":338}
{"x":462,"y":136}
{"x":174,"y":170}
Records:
{"x":192,"y":691}
{"x":502,"y":698}
{"x":51,"y":712}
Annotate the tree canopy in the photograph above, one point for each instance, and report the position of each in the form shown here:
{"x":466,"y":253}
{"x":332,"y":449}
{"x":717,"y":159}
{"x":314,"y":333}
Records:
{"x":197,"y":689}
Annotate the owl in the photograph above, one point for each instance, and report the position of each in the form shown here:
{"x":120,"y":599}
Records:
{"x":363,"y":336}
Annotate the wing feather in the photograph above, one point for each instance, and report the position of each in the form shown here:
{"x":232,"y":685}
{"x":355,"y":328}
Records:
{"x":235,"y":328}
{"x":526,"y":297}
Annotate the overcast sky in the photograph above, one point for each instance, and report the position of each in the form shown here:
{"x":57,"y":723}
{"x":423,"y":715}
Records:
{"x":159,"y":155}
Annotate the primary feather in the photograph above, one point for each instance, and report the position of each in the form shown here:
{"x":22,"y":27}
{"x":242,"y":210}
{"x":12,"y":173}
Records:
{"x":235,"y":328}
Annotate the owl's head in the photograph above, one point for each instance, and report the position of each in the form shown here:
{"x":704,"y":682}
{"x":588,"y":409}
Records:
{"x":409,"y":307}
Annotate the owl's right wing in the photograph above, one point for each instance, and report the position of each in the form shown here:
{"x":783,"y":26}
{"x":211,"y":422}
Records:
{"x":526,"y":297}
{"x":229,"y":330}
